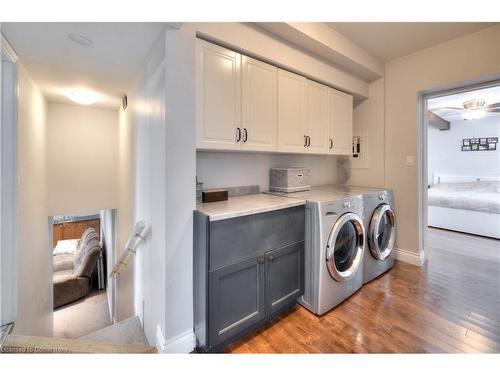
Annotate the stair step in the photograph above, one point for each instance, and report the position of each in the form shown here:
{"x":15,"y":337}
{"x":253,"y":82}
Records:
{"x":126,"y":332}
{"x":39,"y":344}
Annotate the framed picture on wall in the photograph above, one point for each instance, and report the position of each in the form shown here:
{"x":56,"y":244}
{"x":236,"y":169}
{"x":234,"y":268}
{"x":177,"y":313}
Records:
{"x":466,"y":142}
{"x":492,"y":146}
{"x":474,"y":147}
{"x":466,"y":148}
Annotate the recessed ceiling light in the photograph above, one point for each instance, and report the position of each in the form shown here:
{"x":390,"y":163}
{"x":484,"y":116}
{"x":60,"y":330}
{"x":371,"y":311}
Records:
{"x":80,"y":39}
{"x":81,"y":96}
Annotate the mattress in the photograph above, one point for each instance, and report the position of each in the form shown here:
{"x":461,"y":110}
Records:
{"x":483,"y":196}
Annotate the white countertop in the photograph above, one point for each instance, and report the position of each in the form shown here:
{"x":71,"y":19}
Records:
{"x":246,"y":205}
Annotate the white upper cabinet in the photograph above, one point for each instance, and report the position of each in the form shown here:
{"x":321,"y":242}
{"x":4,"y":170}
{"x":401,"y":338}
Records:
{"x":259,"y":105}
{"x":316,"y":117}
{"x":248,"y":105}
{"x":340,"y":129}
{"x":291,"y":136}
{"x":218,"y":97}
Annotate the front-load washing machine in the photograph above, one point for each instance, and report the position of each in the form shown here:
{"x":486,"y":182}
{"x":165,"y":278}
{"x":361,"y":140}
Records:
{"x":334,"y":248}
{"x":379,"y":219}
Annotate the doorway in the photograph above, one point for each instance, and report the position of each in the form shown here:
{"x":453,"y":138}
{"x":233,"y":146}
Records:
{"x":8,"y":142}
{"x":82,"y":253}
{"x":459,"y":182}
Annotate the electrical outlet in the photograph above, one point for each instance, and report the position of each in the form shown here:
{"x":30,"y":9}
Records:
{"x":410,"y":161}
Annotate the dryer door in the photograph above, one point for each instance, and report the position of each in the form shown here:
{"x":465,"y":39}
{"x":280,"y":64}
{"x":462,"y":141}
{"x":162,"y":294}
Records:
{"x":345,"y":246}
{"x":382,"y":232}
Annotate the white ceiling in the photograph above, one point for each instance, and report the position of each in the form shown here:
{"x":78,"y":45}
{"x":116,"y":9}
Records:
{"x":490,"y":95}
{"x":108,"y":66}
{"x":390,"y":40}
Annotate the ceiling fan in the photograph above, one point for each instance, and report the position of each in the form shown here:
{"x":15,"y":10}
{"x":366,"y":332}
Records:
{"x":472,"y":109}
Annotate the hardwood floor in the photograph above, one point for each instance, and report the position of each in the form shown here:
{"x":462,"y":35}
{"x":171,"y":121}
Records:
{"x":450,"y":305}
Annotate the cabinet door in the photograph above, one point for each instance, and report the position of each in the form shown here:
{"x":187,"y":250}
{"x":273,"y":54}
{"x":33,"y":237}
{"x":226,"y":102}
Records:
{"x":291,"y":135}
{"x":340,"y":132}
{"x":237,"y":299}
{"x":259,"y":91}
{"x":284,"y":276}
{"x":218,"y":84}
{"x":57,"y":234}
{"x":316,"y":123}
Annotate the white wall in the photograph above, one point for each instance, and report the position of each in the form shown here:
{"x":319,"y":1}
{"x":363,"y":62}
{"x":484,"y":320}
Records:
{"x":462,"y":60}
{"x":142,"y":139}
{"x":446,"y":157}
{"x":34,"y":258}
{"x":223,"y":169}
{"x":124,"y":284}
{"x":369,"y":117}
{"x":82,"y":158}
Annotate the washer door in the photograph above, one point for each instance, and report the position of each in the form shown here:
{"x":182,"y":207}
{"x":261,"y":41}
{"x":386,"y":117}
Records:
{"x":382,"y":232}
{"x":344,"y":250}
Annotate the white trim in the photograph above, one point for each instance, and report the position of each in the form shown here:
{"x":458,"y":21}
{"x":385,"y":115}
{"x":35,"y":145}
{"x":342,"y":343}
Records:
{"x":8,"y":172}
{"x":7,"y":49}
{"x":410,"y":257}
{"x":183,"y":343}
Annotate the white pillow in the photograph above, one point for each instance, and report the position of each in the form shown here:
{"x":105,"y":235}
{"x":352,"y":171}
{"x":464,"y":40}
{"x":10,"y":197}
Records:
{"x":65,"y":247}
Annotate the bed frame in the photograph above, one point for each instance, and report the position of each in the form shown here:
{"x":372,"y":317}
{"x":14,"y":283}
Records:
{"x":467,"y":221}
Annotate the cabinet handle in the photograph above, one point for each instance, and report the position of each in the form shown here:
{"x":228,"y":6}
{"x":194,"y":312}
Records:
{"x":305,"y":140}
{"x":260,"y":260}
{"x":331,"y":143}
{"x":271,"y":258}
{"x":308,"y":141}
{"x":238,"y":134}
{"x":245,"y":135}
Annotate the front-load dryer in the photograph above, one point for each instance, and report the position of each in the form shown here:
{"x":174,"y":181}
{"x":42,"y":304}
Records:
{"x":334,"y":248}
{"x":379,"y":219}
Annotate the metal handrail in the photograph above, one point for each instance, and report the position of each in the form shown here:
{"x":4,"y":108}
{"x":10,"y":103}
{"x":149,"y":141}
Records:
{"x":140,"y":234}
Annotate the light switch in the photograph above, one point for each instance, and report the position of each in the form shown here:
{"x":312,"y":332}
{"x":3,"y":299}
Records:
{"x":410,"y":161}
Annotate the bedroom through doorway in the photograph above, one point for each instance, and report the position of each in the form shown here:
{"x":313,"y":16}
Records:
{"x":462,"y":165}
{"x":461,"y":199}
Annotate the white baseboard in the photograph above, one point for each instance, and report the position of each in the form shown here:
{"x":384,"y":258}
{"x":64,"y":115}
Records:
{"x":417,"y":259}
{"x":183,"y":343}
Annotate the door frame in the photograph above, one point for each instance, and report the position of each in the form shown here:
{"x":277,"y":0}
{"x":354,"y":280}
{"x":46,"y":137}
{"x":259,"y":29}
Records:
{"x":8,"y":190}
{"x":422,"y":147}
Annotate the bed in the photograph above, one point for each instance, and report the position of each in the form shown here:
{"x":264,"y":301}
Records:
{"x":469,"y":204}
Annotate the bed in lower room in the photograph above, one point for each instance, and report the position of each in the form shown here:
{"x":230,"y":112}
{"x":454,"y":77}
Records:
{"x":467,"y":204}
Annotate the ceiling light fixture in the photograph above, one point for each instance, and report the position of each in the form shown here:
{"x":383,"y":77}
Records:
{"x":81,"y":96}
{"x":80,"y":39}
{"x":474,"y":114}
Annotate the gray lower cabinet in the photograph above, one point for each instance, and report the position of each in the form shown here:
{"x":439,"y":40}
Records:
{"x":237,"y":298}
{"x":245,"y":270}
{"x":284,"y":276}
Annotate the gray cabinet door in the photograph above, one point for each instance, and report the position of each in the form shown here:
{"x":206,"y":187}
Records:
{"x":237,"y":298}
{"x":284,"y":276}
